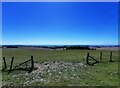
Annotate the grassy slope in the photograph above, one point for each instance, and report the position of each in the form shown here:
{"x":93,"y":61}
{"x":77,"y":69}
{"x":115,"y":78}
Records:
{"x":103,"y":74}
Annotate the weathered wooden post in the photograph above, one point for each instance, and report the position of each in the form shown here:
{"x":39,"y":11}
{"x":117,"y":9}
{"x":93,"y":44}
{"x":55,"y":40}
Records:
{"x":32,"y":64}
{"x":11,"y":65}
{"x":101,"y":57}
{"x":87,"y":59}
{"x":110,"y":57}
{"x":4,"y":63}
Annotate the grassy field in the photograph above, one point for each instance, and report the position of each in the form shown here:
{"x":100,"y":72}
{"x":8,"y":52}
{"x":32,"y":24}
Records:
{"x":75,"y":73}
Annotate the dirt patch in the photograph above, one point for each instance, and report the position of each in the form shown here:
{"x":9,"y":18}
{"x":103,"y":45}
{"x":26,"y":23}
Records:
{"x":49,"y":71}
{"x":55,"y":65}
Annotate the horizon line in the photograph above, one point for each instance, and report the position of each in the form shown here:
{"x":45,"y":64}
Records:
{"x":62,"y":44}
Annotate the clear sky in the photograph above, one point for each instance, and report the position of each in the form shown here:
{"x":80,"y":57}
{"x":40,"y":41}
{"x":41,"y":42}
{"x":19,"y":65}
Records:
{"x":65,"y":23}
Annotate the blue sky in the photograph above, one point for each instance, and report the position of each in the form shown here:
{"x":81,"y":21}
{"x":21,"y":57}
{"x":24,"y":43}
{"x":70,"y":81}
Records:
{"x":55,"y":23}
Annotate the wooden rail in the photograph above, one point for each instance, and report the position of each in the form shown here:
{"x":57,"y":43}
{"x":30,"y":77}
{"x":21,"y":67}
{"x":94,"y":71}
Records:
{"x":87,"y":59}
{"x":17,"y":67}
{"x":88,"y":56}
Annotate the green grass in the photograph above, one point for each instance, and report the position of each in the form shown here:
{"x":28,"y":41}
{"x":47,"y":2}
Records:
{"x":102,"y":74}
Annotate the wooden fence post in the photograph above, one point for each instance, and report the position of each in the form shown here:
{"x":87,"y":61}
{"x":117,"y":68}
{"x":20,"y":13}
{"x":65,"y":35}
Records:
{"x":11,"y":65}
{"x":4,"y":62}
{"x":110,"y":57}
{"x":101,"y":57}
{"x":87,"y":58}
{"x":32,"y":64}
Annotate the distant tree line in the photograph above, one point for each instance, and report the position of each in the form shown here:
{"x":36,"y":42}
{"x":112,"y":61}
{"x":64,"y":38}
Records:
{"x":78,"y":47}
{"x":9,"y":46}
{"x":70,"y":47}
